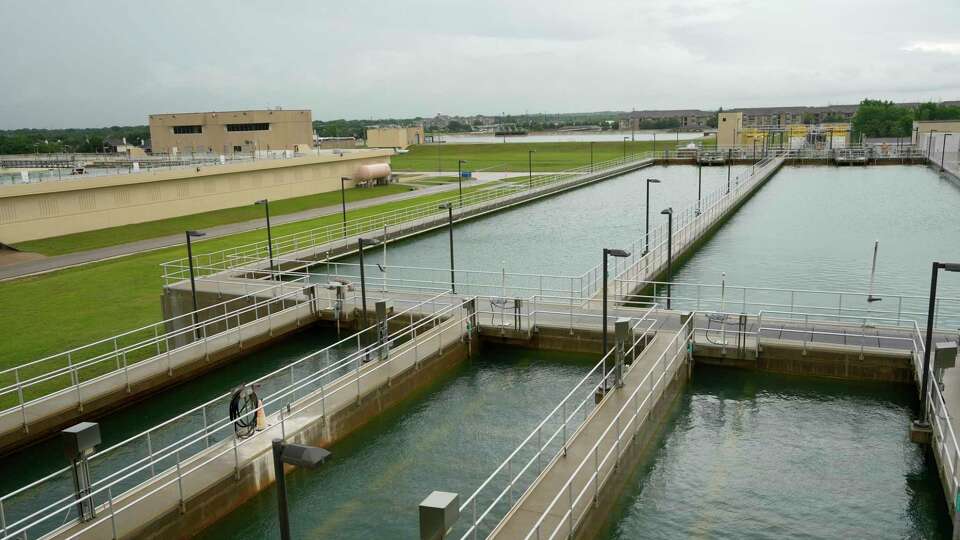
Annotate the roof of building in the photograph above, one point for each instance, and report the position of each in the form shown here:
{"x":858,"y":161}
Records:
{"x":229,"y":112}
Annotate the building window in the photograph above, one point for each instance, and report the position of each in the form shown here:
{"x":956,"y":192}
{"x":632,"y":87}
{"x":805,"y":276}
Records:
{"x":237,"y":149}
{"x":187,"y":130}
{"x":263,"y":126}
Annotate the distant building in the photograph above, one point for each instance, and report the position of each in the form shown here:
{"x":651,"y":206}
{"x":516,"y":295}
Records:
{"x":923,"y":128}
{"x":729,"y":126}
{"x":685,"y":118}
{"x":121,"y":146}
{"x":394,"y":136}
{"x":753,"y":117}
{"x":228,"y":132}
{"x":440,"y":121}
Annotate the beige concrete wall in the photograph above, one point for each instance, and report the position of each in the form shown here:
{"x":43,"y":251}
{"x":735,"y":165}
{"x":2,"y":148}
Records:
{"x":32,"y":211}
{"x":287,"y":130}
{"x":923,"y":128}
{"x":729,"y":126}
{"x":394,"y":137}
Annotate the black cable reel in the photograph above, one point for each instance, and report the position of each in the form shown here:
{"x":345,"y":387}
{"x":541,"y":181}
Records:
{"x":243,"y":411}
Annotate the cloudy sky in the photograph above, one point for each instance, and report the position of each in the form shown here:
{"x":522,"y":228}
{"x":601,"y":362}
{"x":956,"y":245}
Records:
{"x":95,"y":63}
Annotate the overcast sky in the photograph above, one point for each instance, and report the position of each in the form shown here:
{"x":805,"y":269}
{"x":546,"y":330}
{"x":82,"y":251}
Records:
{"x":94,"y":63}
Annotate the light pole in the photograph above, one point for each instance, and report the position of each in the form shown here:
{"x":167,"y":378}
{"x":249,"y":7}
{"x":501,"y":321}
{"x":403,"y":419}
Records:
{"x":943,"y":150}
{"x":530,"y":154}
{"x":460,"y":163}
{"x":625,"y":139}
{"x":591,"y":156}
{"x":362,"y":243}
{"x":654,"y":145}
{"x":646,"y":241}
{"x":449,"y":208}
{"x":299,"y":455}
{"x":930,"y":141}
{"x":343,"y":202}
{"x":669,"y":213}
{"x":193,"y":283}
{"x":699,"y":183}
{"x":928,"y":340}
{"x":266,"y":208}
{"x":729,"y":157}
{"x":615,"y":253}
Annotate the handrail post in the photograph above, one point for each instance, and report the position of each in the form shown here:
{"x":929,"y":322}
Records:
{"x":23,"y":410}
{"x":183,"y":506}
{"x":153,"y":472}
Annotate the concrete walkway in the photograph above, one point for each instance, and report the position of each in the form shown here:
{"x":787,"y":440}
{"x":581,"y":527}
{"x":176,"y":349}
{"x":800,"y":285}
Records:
{"x":579,"y":496}
{"x":22,"y":268}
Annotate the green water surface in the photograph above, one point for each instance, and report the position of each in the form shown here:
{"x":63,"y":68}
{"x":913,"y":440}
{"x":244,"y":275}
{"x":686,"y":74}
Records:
{"x":751,"y":455}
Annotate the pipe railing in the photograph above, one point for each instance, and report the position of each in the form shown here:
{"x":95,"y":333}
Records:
{"x":174,"y":445}
{"x":70,"y":370}
{"x":904,"y":308}
{"x":689,"y":224}
{"x":549,"y":438}
{"x":398,"y":222}
{"x":624,"y":424}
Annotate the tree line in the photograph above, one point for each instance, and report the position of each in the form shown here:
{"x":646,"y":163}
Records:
{"x":87,"y":140}
{"x":878,"y":118}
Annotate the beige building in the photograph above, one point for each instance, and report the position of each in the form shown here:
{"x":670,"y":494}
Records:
{"x":729,"y":128}
{"x":923,"y":128}
{"x":46,"y":209}
{"x":394,"y":136}
{"x":230,"y":132}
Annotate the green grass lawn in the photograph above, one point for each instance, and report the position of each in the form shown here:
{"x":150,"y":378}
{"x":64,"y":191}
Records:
{"x":513,"y":156}
{"x":53,"y":312}
{"x":152,"y":229}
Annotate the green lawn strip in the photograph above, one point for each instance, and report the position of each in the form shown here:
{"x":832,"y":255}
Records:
{"x":152,"y":229}
{"x":52,"y":312}
{"x":432,"y":180}
{"x":551,"y":156}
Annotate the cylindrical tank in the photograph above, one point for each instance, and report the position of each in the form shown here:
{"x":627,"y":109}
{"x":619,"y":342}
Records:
{"x":372,"y":172}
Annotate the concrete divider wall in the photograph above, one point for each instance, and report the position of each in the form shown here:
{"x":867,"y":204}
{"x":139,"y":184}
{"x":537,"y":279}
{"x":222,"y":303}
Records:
{"x":230,"y":478}
{"x":653,"y":266}
{"x":347,"y":246}
{"x":47,"y":209}
{"x":45,"y":416}
{"x":813,"y":359}
{"x":637,"y":452}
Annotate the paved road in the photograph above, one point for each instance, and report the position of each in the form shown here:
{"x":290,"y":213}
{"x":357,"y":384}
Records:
{"x":49,"y":264}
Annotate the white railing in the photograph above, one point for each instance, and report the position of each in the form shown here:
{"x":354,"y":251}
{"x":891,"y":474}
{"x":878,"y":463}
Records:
{"x":549,"y":438}
{"x":58,"y":167}
{"x":650,"y":253}
{"x":622,"y":427}
{"x":904,"y":308}
{"x":68,"y":371}
{"x":180,"y":446}
{"x":399,"y":222}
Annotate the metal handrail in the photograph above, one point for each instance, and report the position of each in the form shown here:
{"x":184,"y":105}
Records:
{"x":690,"y":217}
{"x":567,"y":414}
{"x":195,"y":332}
{"x":439,"y":306}
{"x":615,"y":423}
{"x":337,"y":232}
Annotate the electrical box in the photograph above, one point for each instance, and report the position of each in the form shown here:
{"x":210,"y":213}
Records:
{"x":438,"y":512}
{"x":79,"y":439}
{"x":944,"y":355}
